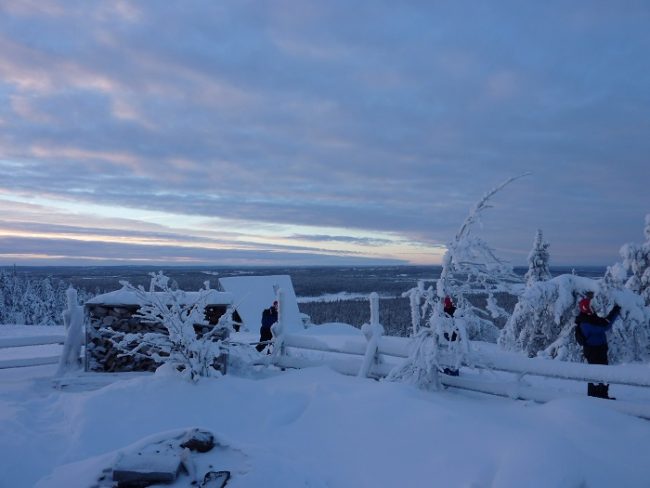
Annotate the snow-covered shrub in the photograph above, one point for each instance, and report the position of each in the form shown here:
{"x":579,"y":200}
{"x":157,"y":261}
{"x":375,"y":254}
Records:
{"x":545,"y":311}
{"x":629,"y":337}
{"x":636,"y":261}
{"x":543,"y":321}
{"x":182,"y":348}
{"x":421,"y":367}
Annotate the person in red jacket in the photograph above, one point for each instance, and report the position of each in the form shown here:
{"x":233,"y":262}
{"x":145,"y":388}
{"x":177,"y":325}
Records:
{"x":449,"y":308}
{"x":594,"y":330}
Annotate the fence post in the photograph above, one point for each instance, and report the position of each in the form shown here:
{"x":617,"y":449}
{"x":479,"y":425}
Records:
{"x":373,"y":331}
{"x":278,"y":329}
{"x":414,"y":299}
{"x":73,"y":318}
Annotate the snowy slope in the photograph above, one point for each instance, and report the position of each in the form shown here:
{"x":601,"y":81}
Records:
{"x":317,"y":428}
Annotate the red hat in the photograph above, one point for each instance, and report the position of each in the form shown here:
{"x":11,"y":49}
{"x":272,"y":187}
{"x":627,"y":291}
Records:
{"x":585,"y":305}
{"x":448,"y":302}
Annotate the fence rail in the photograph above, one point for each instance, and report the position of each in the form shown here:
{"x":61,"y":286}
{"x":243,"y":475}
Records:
{"x":28,"y":341}
{"x":347,"y":357}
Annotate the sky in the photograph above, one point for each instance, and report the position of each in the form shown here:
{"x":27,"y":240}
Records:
{"x":320,"y":133}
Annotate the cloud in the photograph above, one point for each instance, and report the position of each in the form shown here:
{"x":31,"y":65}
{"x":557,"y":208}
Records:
{"x":58,"y":251}
{"x":305,"y":116}
{"x":364,"y":241}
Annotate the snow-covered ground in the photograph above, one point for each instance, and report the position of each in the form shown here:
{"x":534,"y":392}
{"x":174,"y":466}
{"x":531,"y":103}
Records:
{"x":314,"y":427}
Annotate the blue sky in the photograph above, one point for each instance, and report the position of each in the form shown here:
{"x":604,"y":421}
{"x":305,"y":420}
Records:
{"x":303,"y":132}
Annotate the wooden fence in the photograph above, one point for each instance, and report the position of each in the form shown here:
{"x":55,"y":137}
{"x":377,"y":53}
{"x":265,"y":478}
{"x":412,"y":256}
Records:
{"x":351,"y":357}
{"x":29,"y":341}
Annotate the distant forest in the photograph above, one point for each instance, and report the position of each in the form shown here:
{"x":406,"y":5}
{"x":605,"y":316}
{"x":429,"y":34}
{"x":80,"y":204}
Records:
{"x":36,"y":295}
{"x":394,"y":313}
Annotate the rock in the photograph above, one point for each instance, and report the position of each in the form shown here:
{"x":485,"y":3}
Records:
{"x":198,"y":440}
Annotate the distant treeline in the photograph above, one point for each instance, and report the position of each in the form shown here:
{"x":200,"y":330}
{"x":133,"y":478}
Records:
{"x":394,"y":313}
{"x":32,"y":300}
{"x":36,"y":295}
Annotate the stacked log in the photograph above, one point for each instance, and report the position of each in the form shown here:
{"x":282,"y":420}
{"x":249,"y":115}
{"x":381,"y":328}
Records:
{"x":107,"y":324}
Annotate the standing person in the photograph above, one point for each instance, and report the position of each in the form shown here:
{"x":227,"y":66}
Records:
{"x":594,"y":330}
{"x":269,"y":317}
{"x":449,"y":308}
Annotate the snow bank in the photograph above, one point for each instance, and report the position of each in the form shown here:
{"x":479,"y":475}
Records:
{"x":318,"y":428}
{"x":124,"y":296}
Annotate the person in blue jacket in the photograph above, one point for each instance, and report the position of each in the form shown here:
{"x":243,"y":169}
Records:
{"x":269,"y":317}
{"x":594,"y":330}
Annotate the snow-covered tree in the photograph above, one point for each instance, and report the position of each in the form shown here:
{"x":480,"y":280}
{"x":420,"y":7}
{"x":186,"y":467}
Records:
{"x":543,"y":320}
{"x":636,"y":261}
{"x":31,"y":301}
{"x":181,"y":348}
{"x":630,"y":334}
{"x":542,"y":323}
{"x":12,"y":286}
{"x":470,"y":267}
{"x":545,"y":311}
{"x":538,"y":259}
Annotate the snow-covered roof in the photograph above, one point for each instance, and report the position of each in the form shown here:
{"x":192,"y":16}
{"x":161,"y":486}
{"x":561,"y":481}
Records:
{"x":252,"y":294}
{"x":125,"y":297}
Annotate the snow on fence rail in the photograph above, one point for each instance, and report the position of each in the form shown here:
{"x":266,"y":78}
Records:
{"x":351,"y":358}
{"x":397,"y":347}
{"x":29,"y":341}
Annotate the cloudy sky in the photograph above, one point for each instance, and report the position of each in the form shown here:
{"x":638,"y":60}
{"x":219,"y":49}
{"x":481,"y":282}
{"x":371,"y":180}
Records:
{"x":319,"y":132}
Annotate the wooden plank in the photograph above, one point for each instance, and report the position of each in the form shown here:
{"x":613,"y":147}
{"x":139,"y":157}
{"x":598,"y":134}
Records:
{"x":542,"y":395}
{"x":595,"y":373}
{"x":24,"y":362}
{"x":31,"y":340}
{"x":503,"y":361}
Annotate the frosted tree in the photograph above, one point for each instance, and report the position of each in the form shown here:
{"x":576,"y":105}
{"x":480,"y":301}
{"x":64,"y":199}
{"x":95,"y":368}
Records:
{"x":543,"y":321}
{"x":538,"y":259}
{"x":13,"y":290}
{"x":39,"y":304}
{"x":545,"y":313}
{"x":52,"y":301}
{"x":536,"y":320}
{"x":628,"y":339}
{"x":470,"y":267}
{"x":25,"y":300}
{"x":181,"y":349}
{"x":421,"y":368}
{"x":636,"y":261}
